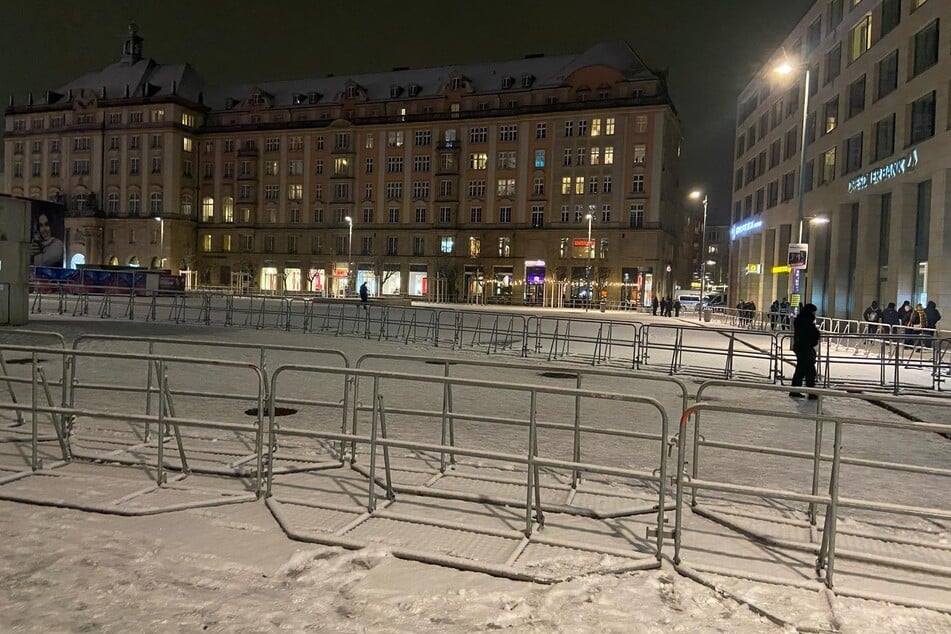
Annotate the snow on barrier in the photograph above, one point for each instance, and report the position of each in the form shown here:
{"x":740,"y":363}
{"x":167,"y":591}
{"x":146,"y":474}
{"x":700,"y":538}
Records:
{"x":516,"y":457}
{"x":840,"y":478}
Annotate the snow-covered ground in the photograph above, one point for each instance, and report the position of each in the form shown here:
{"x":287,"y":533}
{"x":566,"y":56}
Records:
{"x":232,"y":568}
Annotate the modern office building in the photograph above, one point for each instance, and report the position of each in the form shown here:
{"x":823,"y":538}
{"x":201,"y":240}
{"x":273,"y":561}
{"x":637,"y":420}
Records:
{"x":538,"y":179}
{"x":876,"y":173}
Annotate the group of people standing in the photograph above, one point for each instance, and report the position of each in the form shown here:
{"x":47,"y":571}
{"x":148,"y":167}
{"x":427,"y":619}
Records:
{"x":918,"y":317}
{"x":666,"y":305}
{"x":779,"y":314}
{"x":745,"y":311}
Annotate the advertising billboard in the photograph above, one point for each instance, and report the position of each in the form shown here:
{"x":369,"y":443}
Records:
{"x":798,"y":255}
{"x":48,"y":234}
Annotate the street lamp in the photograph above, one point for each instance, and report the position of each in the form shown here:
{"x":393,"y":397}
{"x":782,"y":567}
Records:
{"x":161,"y":222}
{"x":589,"y":218}
{"x":349,"y":250}
{"x":787,"y":68}
{"x":695,"y":195}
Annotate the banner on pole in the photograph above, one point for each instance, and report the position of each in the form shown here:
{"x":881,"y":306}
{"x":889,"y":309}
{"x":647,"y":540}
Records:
{"x":798,"y":255}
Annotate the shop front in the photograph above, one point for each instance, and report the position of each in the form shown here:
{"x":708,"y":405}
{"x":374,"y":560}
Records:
{"x":534,"y":282}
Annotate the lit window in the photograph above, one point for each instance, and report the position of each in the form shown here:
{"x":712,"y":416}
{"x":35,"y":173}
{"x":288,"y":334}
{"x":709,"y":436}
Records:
{"x":187,"y":144}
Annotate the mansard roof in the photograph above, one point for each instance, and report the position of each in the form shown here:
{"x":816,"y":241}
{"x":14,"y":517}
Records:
{"x":144,"y":78}
{"x":478,"y":78}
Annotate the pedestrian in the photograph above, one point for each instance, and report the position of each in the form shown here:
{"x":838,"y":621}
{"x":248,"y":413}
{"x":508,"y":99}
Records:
{"x":676,"y":308}
{"x":784,"y":314}
{"x":749,"y":309}
{"x":905,"y":313}
{"x":872,"y":315}
{"x":805,"y":340}
{"x":931,"y":312}
{"x":891,"y":318}
{"x":654,"y":305}
{"x":364,"y":295}
{"x":773,"y":314}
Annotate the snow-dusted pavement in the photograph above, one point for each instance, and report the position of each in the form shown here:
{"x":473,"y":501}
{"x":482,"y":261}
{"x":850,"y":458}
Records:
{"x":231,"y":567}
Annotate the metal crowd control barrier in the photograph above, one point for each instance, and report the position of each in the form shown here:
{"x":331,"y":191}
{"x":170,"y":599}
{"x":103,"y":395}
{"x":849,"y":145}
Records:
{"x":890,"y":361}
{"x":581,"y":377}
{"x":490,"y":330}
{"x":601,"y":341}
{"x":828,"y":479}
{"x":39,"y":376}
{"x":101,"y":420}
{"x":408,"y":414}
{"x":673,"y":342}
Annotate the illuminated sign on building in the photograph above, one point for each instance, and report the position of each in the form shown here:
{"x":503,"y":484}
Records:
{"x":884,"y":173}
{"x":578,"y":242}
{"x":755,"y":269}
{"x":741,"y":229}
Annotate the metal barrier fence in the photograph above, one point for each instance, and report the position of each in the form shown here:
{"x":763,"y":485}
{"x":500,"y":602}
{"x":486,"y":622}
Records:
{"x":680,"y":350}
{"x":596,"y":340}
{"x":101,"y":419}
{"x":410,"y":412}
{"x":828,"y":481}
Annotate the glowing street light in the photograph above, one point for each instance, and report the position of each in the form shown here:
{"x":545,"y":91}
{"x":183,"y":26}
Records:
{"x":695,"y":195}
{"x":589,"y":218}
{"x":161,"y":222}
{"x":349,"y":250}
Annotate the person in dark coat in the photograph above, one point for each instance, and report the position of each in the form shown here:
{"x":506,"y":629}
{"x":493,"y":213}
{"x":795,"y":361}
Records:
{"x":891,"y":317}
{"x":654,"y":305}
{"x":931,"y":312}
{"x":905,"y":312}
{"x":805,"y":340}
{"x":676,"y":308}
{"x":364,"y":295}
{"x":873,"y":315}
{"x":773,"y":314}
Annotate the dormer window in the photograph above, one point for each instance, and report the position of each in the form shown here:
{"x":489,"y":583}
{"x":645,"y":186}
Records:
{"x":313,"y":97}
{"x":395,"y":90}
{"x":527,"y":80}
{"x":299,"y":99}
{"x":351,"y":91}
{"x":508,"y":82}
{"x":413,"y":90}
{"x":257,"y":99}
{"x":455,"y":83}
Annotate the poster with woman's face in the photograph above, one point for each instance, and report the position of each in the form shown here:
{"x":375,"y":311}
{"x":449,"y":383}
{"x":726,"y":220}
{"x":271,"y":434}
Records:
{"x":48,"y":228}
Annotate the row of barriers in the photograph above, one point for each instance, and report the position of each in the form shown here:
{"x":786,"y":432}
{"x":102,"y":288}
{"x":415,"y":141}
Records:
{"x":276,"y":417}
{"x":851,"y":353}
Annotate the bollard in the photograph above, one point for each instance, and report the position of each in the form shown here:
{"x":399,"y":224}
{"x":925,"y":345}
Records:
{"x":603,"y":305}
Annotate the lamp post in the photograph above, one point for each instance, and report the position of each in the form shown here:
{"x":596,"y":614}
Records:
{"x":161,"y":222}
{"x":785,"y":69}
{"x":589,"y":218}
{"x":703,"y":247}
{"x":349,"y":250}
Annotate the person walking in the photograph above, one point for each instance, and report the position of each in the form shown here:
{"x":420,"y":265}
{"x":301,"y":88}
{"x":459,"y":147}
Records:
{"x":872,"y":315}
{"x":784,"y":314}
{"x":805,"y":340}
{"x":364,"y":295}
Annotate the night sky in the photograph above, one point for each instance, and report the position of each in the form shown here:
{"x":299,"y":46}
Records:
{"x":711,"y":48}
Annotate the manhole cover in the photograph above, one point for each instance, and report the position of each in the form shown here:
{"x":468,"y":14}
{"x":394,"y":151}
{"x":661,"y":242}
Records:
{"x":559,"y":375}
{"x":278,"y":411}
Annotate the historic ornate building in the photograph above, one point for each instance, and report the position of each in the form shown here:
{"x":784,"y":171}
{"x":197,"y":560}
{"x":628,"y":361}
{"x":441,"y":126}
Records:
{"x":538,"y":177}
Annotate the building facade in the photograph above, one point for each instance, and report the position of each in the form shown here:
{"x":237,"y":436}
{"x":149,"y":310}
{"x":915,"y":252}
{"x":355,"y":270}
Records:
{"x":877,"y":160}
{"x":534,"y":180}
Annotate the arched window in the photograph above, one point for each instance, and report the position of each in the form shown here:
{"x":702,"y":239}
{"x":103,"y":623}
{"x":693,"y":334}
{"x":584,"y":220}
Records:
{"x":112,"y":203}
{"x":207,"y":209}
{"x":134,"y":261}
{"x":187,"y":210}
{"x":113,"y":261}
{"x":76,"y":260}
{"x":135,"y":203}
{"x":227,"y":209}
{"x":155,"y":203}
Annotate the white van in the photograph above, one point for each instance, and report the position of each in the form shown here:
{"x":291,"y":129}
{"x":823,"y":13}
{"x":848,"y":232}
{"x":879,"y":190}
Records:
{"x":688,"y":301}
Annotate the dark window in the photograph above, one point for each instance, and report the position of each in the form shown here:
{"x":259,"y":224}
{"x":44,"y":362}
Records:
{"x":789,"y":186}
{"x":887,"y":75}
{"x":774,"y":151}
{"x":772,"y":194}
{"x":853,"y":153}
{"x":830,"y":114}
{"x":814,"y":34}
{"x":809,"y":172}
{"x":884,"y":137}
{"x":738,"y":182}
{"x":922,"y":119}
{"x":760,"y":198}
{"x":833,"y":64}
{"x":926,"y":48}
{"x":835,"y":13}
{"x":791,"y":135}
{"x":891,"y":16}
{"x":857,"y":96}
